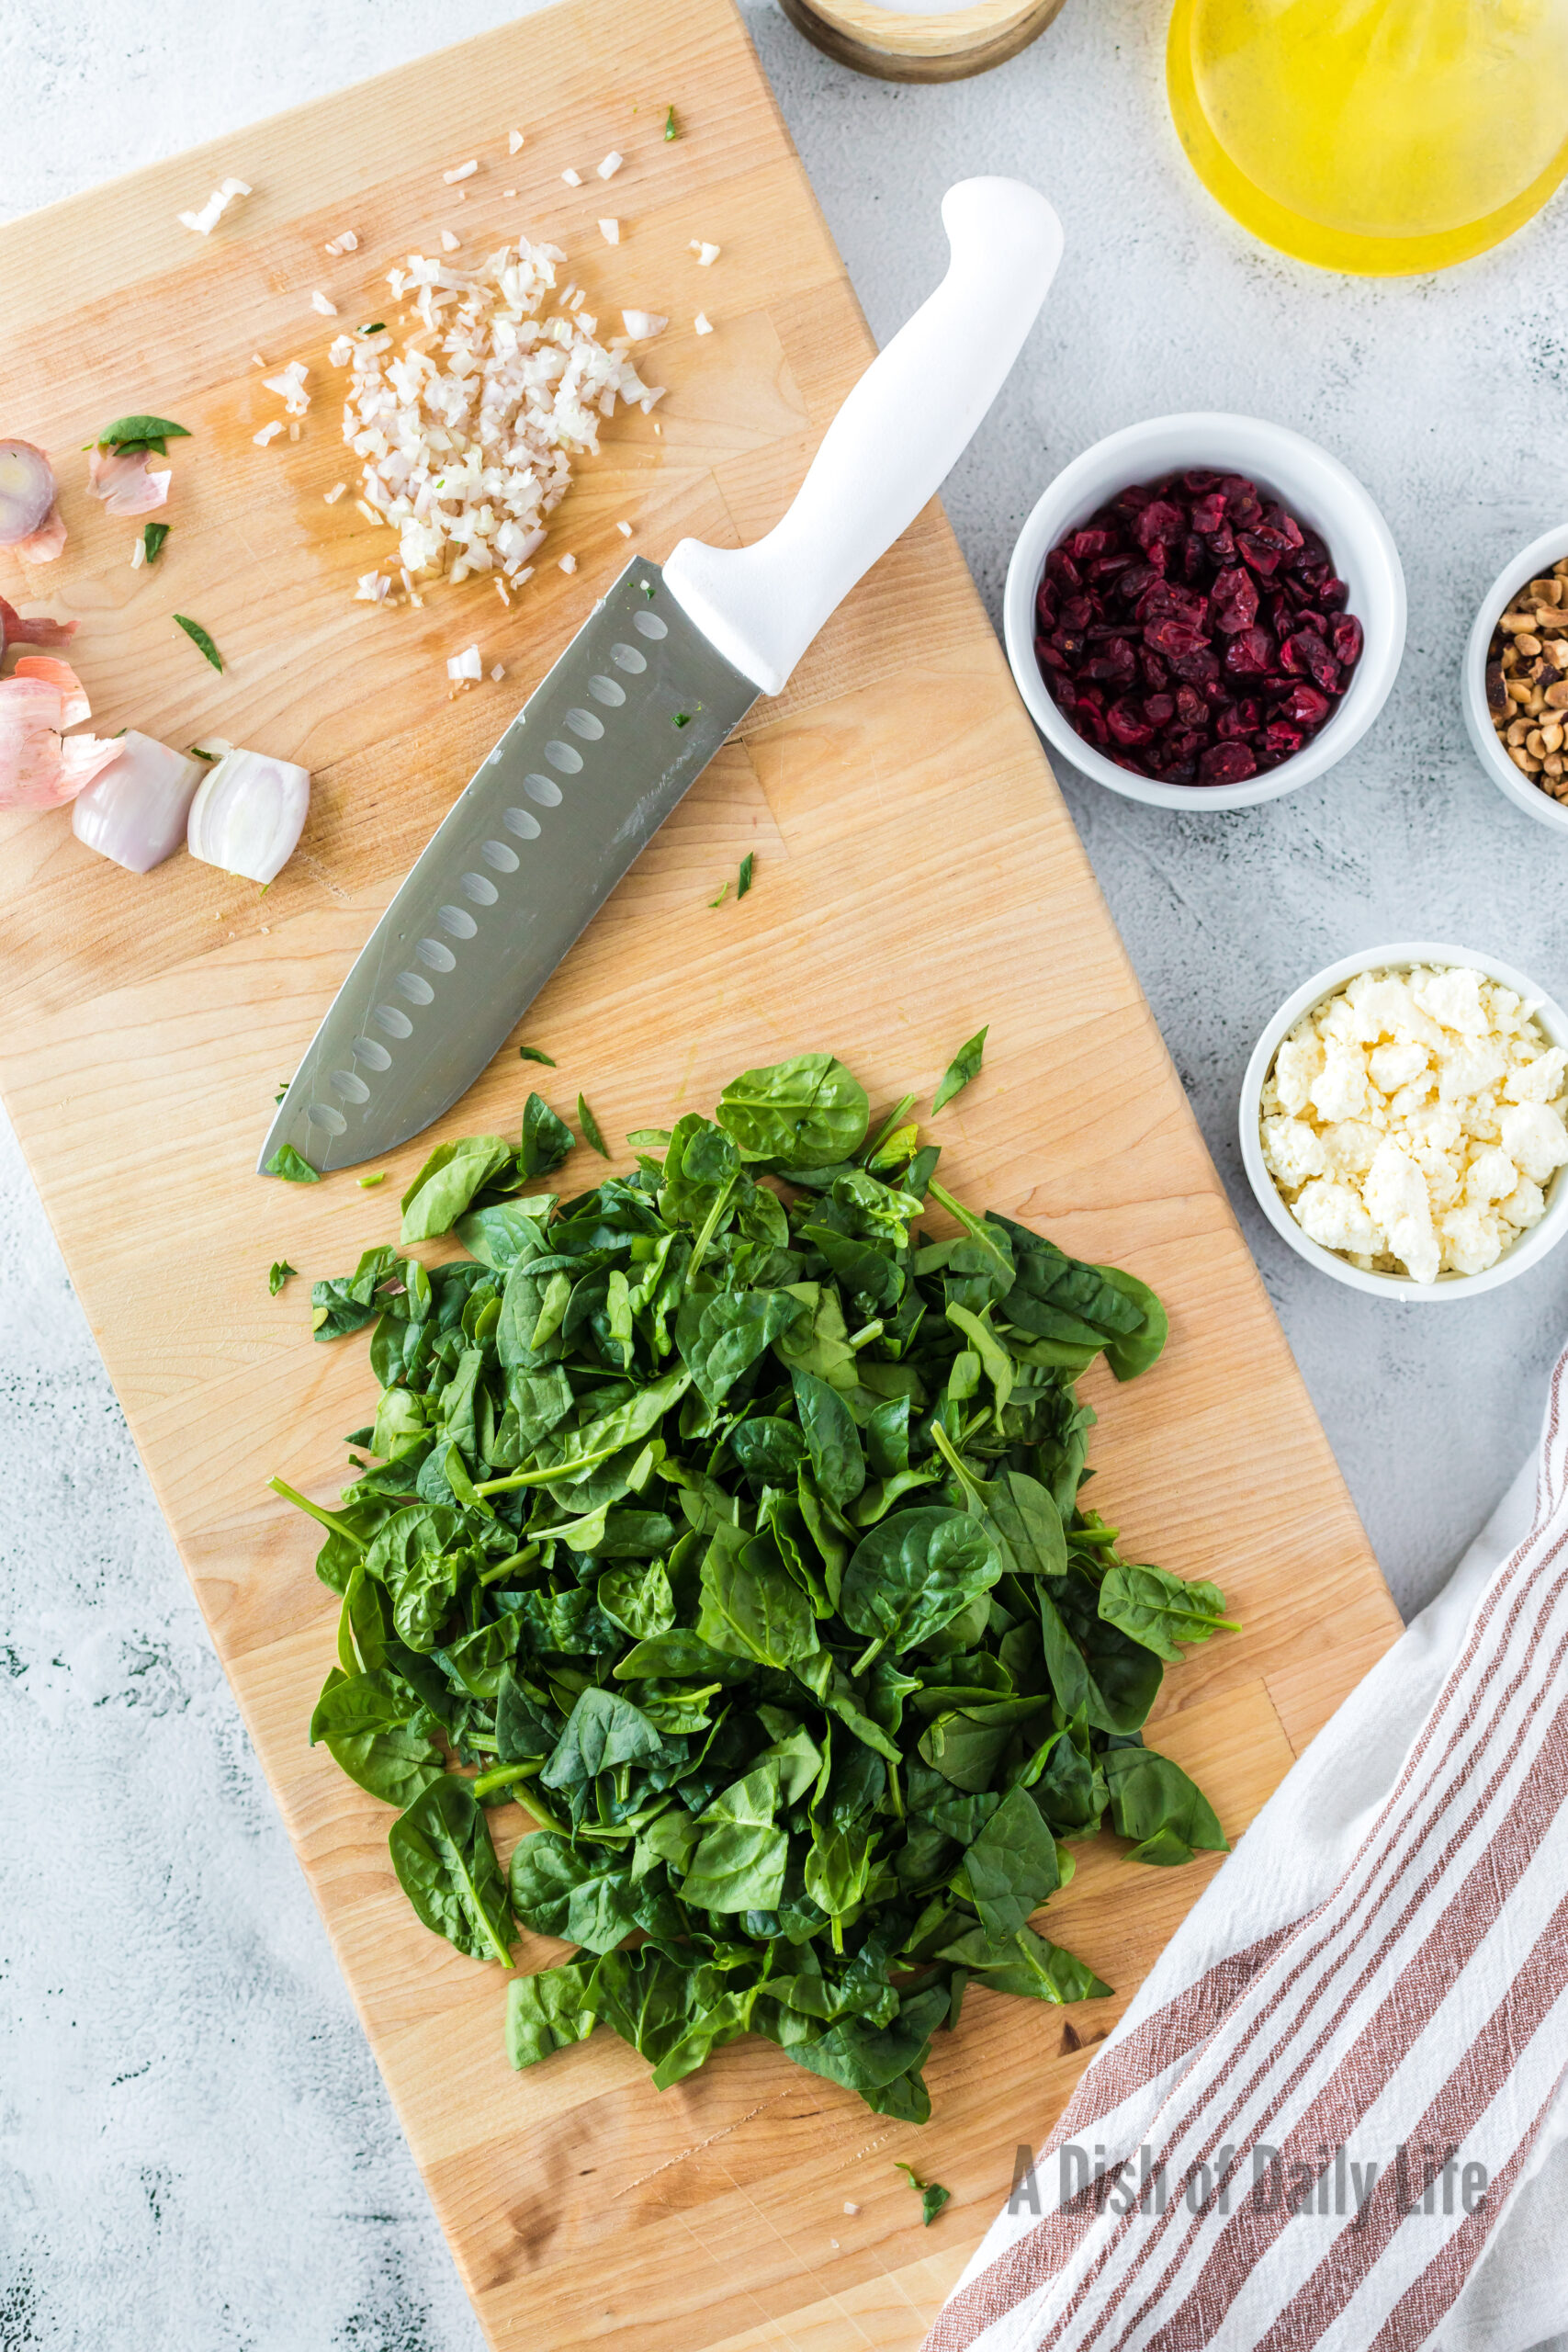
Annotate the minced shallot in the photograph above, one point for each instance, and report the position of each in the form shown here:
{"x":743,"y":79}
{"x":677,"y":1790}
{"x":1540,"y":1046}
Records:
{"x":218,"y":203}
{"x":466,"y":433}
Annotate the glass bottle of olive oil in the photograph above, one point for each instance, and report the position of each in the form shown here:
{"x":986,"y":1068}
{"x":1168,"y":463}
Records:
{"x":1378,"y":136}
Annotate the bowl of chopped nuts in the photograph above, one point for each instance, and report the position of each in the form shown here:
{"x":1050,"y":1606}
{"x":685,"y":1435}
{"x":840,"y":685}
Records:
{"x":1514,"y":685}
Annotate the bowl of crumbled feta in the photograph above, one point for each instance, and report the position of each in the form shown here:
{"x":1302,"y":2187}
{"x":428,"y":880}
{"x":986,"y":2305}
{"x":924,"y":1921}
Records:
{"x":1404,"y":1121}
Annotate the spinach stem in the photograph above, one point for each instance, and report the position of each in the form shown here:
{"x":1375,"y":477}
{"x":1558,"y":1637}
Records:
{"x":338,"y":1525}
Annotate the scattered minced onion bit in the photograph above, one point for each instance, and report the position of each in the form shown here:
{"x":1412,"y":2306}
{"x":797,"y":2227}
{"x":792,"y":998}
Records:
{"x":707,"y":254}
{"x":289,"y":386}
{"x":331,"y":497}
{"x":498,"y":673}
{"x":569,"y":563}
{"x":643,"y":326}
{"x":372,"y":588}
{"x":509,"y":191}
{"x":513,"y":141}
{"x":448,"y":241}
{"x":467,"y":432}
{"x":625,"y":530}
{"x":465,"y":664}
{"x":138,"y":554}
{"x":611,"y":232}
{"x":217,"y":204}
{"x":320,"y":302}
{"x":703,"y":323}
{"x":500,"y":586}
{"x":611,"y":165}
{"x":256,"y":359}
{"x":268,"y":433}
{"x":346,"y":242}
{"x":461,"y":172}
{"x":573,"y":180}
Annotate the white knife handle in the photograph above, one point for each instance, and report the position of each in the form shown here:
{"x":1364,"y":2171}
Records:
{"x":891,"y":445}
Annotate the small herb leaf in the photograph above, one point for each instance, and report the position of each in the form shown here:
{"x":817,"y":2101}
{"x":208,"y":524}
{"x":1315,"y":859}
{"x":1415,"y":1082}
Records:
{"x":200,"y":639}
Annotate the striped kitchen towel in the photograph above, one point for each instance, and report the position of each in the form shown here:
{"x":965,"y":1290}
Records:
{"x":1335,"y":2115}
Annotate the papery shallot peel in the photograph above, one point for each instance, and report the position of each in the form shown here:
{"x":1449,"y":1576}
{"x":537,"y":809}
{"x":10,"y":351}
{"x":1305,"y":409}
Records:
{"x":40,"y":765}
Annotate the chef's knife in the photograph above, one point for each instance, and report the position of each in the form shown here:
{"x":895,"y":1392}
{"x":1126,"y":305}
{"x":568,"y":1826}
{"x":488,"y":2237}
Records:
{"x":663,"y":671}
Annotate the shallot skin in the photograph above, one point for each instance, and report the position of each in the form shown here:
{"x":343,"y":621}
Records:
{"x":126,"y":481}
{"x":32,"y":628}
{"x":136,"y":810}
{"x":30,"y":520}
{"x":40,"y":765}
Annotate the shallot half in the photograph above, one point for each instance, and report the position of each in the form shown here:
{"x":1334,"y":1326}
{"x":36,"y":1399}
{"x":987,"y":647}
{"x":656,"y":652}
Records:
{"x":137,"y":809}
{"x":40,"y":765}
{"x":248,"y":814}
{"x":30,"y":519}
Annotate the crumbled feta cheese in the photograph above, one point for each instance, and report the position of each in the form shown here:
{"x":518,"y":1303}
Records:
{"x":1294,"y":1150}
{"x":1296,"y":1065}
{"x":1534,"y":1136}
{"x":1392,"y":1066}
{"x":1339,"y":1089}
{"x":1412,"y":1121}
{"x":1332,"y":1214}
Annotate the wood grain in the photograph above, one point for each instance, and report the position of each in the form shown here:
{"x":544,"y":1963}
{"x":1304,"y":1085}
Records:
{"x":917,"y":875}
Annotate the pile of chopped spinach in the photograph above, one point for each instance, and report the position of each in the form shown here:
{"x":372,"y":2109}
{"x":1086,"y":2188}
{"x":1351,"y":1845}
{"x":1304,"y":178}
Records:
{"x":736,"y":1531}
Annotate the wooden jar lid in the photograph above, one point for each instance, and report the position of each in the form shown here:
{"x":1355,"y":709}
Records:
{"x":930,"y":48}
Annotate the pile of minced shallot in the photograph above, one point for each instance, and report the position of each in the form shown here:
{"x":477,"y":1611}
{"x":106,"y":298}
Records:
{"x":468,"y":429}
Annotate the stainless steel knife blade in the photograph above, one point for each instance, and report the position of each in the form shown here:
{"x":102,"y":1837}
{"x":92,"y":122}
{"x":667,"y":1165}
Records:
{"x":587,"y":771}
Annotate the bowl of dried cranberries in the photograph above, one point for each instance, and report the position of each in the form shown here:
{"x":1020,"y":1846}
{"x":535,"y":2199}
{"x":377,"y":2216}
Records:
{"x":1205,"y":610}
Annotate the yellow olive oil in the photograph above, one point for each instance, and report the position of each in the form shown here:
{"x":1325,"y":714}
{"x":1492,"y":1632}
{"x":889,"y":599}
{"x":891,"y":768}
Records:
{"x":1377,"y":136}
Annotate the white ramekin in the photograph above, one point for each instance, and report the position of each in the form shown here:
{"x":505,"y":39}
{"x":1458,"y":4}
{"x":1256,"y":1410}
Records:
{"x":1316,"y":489}
{"x":1525,"y":1252}
{"x":1529,"y":564}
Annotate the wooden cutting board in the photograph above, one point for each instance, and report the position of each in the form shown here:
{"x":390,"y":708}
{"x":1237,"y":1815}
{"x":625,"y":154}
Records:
{"x":917,"y":875}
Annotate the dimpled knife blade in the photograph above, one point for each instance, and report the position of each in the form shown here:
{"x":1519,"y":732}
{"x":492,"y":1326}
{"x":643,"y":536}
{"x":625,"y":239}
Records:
{"x":587,"y":771}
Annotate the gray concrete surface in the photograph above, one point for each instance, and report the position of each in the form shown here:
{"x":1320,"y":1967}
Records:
{"x":195,"y":2151}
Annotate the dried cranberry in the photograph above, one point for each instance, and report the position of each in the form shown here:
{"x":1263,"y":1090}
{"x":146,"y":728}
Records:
{"x":1198,"y":481}
{"x":1190,"y":707}
{"x":1210,"y":512}
{"x":1060,"y":567}
{"x":1115,"y":666}
{"x":1233,"y":601}
{"x":1184,"y":742}
{"x":1320,"y":666}
{"x":1047,"y":605}
{"x":1174,"y":637}
{"x":1333,"y":594}
{"x":1085,"y":544}
{"x":1241,"y":719}
{"x":1160,"y":524}
{"x":1306,"y":704}
{"x":1346,"y":638}
{"x":1249,"y":653}
{"x":1280,"y":741}
{"x":1108,"y":566}
{"x":1126,"y":726}
{"x":1226,"y":764}
{"x":1258,"y":551}
{"x":1048,"y":656}
{"x":1159,"y":709}
{"x":1222,"y":544}
{"x":1198,"y":667}
{"x":1157,"y":675}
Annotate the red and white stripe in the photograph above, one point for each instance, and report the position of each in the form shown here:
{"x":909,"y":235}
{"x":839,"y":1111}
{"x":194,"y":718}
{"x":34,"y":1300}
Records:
{"x":1419,"y":1997}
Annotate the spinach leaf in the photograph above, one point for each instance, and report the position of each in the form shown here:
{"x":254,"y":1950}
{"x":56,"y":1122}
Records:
{"x":548,"y":2011}
{"x":912,"y":1574}
{"x":1154,"y":1803}
{"x":965,"y":1065}
{"x":448,"y":1181}
{"x":832,"y":1441}
{"x":603,"y":1730}
{"x":805,"y":1112}
{"x":589,"y":1126}
{"x":346,"y":1303}
{"x":1161,"y":1611}
{"x":293,"y":1169}
{"x":587,"y":1898}
{"x":445,"y":1865}
{"x":1029,"y":1966}
{"x":282,"y":1272}
{"x":751,"y":1606}
{"x":1011,"y":1866}
{"x":545,"y":1139}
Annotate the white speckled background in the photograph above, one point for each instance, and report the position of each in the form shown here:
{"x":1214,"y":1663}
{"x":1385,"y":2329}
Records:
{"x":195,"y":2147}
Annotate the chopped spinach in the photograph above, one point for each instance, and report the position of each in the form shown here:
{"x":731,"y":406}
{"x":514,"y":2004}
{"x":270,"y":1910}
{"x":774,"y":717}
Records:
{"x":747,"y":868}
{"x":964,"y":1065}
{"x":281,"y":1272}
{"x":731,"y":1526}
{"x":534,"y":1054}
{"x":200,"y":639}
{"x":292,"y":1166}
{"x":932,"y":2193}
{"x":152,"y":538}
{"x":592,"y":1135}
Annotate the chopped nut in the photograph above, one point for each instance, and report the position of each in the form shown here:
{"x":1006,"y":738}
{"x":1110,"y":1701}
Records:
{"x":1527,"y":681}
